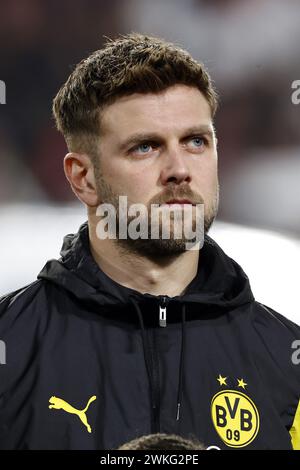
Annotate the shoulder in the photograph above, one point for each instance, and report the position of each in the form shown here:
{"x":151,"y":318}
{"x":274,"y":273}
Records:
{"x":277,"y":340}
{"x":22,"y":292}
{"x":20,"y":297}
{"x":269,"y":320}
{"x":23,"y":307}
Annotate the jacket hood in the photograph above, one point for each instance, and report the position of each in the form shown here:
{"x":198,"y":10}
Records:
{"x":220,"y":282}
{"x":219,"y":285}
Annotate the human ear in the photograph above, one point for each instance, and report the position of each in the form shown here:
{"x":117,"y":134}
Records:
{"x":79,"y":171}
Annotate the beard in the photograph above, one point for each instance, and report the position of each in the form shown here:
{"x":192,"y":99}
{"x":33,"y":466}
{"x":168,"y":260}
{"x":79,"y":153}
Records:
{"x":159,"y":247}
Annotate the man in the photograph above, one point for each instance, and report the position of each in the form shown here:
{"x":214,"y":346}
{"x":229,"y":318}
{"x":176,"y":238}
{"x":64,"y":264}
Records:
{"x":125,"y":336}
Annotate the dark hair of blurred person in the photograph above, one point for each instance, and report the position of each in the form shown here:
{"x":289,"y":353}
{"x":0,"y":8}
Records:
{"x":162,"y":441}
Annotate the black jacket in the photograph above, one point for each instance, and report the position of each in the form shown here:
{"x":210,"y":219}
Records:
{"x":91,"y":364}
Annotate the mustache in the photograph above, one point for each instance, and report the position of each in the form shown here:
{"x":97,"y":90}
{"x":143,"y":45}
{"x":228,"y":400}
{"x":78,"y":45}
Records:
{"x":177,"y":193}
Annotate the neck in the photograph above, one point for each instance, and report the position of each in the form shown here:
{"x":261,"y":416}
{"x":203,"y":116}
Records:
{"x":169,"y":276}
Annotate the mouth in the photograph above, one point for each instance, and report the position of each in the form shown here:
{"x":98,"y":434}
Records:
{"x":178,"y":202}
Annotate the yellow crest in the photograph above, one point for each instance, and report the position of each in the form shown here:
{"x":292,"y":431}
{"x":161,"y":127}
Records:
{"x":235,"y":417}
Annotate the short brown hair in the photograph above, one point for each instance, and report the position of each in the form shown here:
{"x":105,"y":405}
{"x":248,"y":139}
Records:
{"x":132,"y":63}
{"x":162,"y":441}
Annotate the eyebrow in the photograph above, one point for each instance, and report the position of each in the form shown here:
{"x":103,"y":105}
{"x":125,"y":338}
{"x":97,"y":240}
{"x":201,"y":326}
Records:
{"x":150,"y":136}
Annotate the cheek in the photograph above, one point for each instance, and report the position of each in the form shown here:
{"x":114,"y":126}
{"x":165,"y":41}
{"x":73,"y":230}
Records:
{"x":134,"y":184}
{"x":140,"y":185}
{"x":206,"y":177}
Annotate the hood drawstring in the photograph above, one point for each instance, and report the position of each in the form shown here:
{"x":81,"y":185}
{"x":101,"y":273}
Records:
{"x":148,"y":359}
{"x":181,"y":367}
{"x":146,"y":349}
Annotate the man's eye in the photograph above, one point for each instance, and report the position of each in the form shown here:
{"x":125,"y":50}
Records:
{"x":143,"y":148}
{"x":198,"y":141}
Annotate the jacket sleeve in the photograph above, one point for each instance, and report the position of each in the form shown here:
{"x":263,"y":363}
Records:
{"x":295,"y":429}
{"x":20,"y":327}
{"x":282,"y":338}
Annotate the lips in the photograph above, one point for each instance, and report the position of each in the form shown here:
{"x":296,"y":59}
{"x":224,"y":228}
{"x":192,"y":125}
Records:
{"x":179,"y":201}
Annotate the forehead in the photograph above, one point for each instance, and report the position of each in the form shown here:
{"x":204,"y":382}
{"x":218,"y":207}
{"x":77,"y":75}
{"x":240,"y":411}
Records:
{"x":178,"y":107}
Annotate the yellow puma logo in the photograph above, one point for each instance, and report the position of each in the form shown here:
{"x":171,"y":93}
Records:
{"x":59,"y":404}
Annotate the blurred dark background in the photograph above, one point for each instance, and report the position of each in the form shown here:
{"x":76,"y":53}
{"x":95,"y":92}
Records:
{"x":251,"y":49}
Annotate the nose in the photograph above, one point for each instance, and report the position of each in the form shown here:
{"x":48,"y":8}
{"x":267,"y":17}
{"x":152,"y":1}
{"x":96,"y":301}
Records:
{"x":175,"y":168}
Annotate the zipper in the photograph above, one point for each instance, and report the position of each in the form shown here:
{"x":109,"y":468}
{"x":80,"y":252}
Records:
{"x":163,"y":311}
{"x":155,"y":425}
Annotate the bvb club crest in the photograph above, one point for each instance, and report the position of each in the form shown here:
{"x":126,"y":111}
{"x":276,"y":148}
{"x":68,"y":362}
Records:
{"x":234,"y":415}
